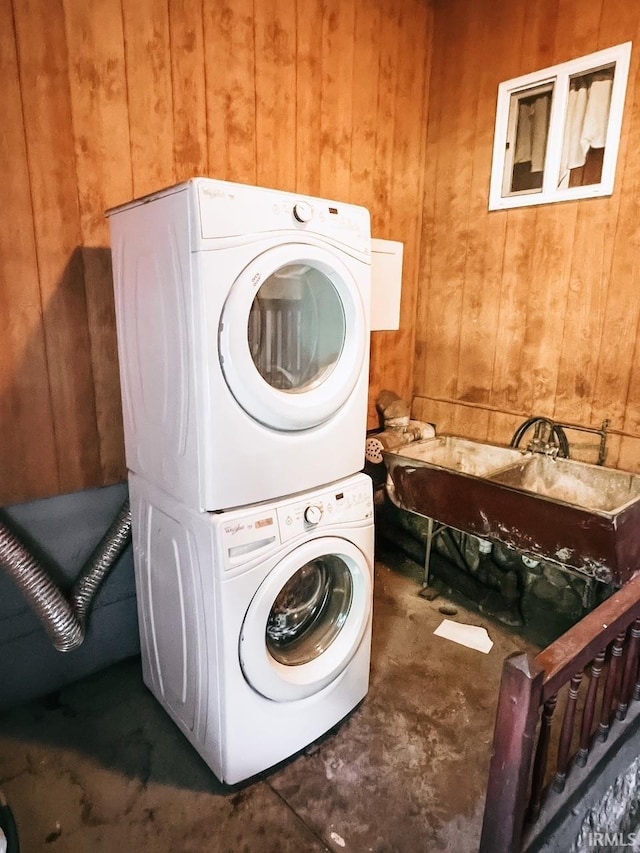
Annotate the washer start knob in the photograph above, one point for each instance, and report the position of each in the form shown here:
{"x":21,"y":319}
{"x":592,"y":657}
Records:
{"x":312,"y":514}
{"x":303,"y":211}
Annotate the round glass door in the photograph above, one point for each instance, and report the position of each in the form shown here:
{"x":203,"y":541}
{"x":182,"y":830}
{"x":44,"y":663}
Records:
{"x":306,"y":620}
{"x":292,"y":337}
{"x":310,"y":611}
{"x":297,"y":328}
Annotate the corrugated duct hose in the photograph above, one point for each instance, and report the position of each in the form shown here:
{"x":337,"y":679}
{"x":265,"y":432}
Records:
{"x":64,"y":618}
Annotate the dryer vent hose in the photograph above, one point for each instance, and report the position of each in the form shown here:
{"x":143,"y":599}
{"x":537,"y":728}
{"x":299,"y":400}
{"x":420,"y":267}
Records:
{"x":64,"y":618}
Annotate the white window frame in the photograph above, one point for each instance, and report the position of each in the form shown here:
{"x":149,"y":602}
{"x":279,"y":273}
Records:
{"x":559,"y":77}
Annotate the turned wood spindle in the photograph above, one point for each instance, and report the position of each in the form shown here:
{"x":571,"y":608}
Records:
{"x":541,"y":758}
{"x":588,"y":712}
{"x":630,"y":670}
{"x":610,"y":686}
{"x":567,"y":733}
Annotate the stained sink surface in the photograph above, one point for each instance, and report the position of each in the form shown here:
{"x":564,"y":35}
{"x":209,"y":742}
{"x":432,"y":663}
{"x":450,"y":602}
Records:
{"x":583,"y":516}
{"x":460,"y":454}
{"x":591,"y":486}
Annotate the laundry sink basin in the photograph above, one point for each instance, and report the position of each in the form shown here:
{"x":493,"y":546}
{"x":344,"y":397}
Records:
{"x":580,"y":515}
{"x":461,"y":454}
{"x":592,"y":487}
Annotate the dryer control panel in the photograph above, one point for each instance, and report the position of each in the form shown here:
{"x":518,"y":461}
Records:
{"x":229,"y":212}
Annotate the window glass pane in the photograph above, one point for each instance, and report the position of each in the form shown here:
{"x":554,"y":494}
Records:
{"x":529,"y":113}
{"x":296,"y":328}
{"x":585,"y":130}
{"x":309,"y":611}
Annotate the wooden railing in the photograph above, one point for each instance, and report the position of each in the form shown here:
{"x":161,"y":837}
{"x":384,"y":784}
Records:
{"x":593,"y":670}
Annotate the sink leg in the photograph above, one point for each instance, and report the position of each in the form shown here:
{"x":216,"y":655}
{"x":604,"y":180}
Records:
{"x":427,"y":552}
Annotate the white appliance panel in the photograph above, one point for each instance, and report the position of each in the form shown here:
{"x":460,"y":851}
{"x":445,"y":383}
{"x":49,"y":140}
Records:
{"x":226,"y":210}
{"x":188,"y":428}
{"x":386,"y":284}
{"x":225,"y":706}
{"x":154,"y":313}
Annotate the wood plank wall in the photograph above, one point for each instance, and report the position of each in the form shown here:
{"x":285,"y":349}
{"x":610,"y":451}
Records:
{"x":532,"y":311}
{"x":111,"y":99}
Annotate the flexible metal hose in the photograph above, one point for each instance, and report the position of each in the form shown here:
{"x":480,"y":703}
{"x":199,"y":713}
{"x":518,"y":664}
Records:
{"x":64,"y":619}
{"x":555,"y":430}
{"x":105,"y":555}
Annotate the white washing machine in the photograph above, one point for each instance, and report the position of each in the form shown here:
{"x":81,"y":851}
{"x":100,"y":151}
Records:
{"x":243,"y":338}
{"x":255,"y":624}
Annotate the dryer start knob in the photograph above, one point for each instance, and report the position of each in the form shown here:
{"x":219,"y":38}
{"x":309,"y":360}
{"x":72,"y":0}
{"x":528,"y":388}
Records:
{"x":312,"y":514}
{"x":303,"y":211}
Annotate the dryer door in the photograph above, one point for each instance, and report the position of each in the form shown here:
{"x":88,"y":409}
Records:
{"x":293,"y":336}
{"x":307,"y":620}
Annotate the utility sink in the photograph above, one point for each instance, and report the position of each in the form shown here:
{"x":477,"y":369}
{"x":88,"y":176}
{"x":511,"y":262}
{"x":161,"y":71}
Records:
{"x":461,"y":454}
{"x":580,"y":515}
{"x":590,"y":486}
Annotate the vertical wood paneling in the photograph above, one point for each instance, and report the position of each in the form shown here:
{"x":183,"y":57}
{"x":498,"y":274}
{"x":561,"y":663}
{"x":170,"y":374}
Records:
{"x":552,"y":251}
{"x":308,"y":96}
{"x":148,"y":59}
{"x":382,"y":183}
{"x":441,"y":333}
{"x":188,"y":88}
{"x":395,"y":350}
{"x":336,"y":111}
{"x":424,"y":330}
{"x":519,"y":321}
{"x":366,"y":65}
{"x":509,"y":384}
{"x":98,"y":87}
{"x":275,"y":93}
{"x":113,"y":99}
{"x":385,"y":117}
{"x":617,"y":389}
{"x":518,"y":331}
{"x":552,"y":287}
{"x":516,"y":313}
{"x":28,"y":459}
{"x":585,"y":293}
{"x":501,"y":41}
{"x":44,"y":80}
{"x":231,"y":95}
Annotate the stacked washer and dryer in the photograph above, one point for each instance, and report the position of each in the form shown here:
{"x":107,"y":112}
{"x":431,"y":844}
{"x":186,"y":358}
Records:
{"x":243,"y":340}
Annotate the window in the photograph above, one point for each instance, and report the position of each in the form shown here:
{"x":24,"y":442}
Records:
{"x":558,"y":131}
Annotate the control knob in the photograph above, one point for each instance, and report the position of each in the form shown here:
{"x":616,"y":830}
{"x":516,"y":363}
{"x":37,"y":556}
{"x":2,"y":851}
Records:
{"x":303,"y":211}
{"x":312,"y":514}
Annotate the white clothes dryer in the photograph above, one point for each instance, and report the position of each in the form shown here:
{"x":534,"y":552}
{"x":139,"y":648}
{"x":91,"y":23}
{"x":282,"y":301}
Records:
{"x":255,"y":624}
{"x":243,"y":340}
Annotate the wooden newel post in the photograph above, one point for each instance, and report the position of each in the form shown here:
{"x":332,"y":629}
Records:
{"x":513,"y":742}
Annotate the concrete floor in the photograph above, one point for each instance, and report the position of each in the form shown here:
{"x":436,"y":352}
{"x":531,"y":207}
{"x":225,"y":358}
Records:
{"x":99,"y":767}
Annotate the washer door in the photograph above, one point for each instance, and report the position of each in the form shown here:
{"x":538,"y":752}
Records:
{"x":306,"y":620}
{"x":292,"y":337}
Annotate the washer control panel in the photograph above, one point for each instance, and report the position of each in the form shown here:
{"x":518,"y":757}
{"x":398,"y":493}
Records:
{"x":247,"y":535}
{"x":348,"y":502}
{"x":313,"y":514}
